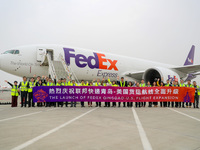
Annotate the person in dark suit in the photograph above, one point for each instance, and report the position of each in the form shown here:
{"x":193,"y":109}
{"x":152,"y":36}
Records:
{"x":122,"y":83}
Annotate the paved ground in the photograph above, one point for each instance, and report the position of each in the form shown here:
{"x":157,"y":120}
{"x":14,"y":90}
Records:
{"x":99,"y":128}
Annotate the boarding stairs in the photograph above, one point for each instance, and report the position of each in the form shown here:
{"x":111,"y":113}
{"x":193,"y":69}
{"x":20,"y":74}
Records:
{"x":59,"y":69}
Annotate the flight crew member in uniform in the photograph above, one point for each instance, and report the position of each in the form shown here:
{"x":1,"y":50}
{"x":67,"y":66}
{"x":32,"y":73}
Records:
{"x":130,"y":104}
{"x":14,"y":93}
{"x":189,"y":85}
{"x":182,"y":85}
{"x":122,"y":83}
{"x":114,"y":85}
{"x":142,"y":84}
{"x":30,"y":92}
{"x":83,"y":84}
{"x":167,"y":85}
{"x":149,"y":85}
{"x":73,"y":84}
{"x":196,"y":96}
{"x":24,"y":91}
{"x":98,"y":83}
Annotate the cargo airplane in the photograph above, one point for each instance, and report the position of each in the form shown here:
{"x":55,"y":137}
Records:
{"x":88,"y":65}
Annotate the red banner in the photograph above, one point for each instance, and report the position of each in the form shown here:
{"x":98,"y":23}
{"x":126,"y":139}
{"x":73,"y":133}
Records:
{"x":112,"y":94}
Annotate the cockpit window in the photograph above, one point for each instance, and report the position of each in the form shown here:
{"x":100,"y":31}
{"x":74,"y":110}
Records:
{"x":11,"y":52}
{"x":16,"y":51}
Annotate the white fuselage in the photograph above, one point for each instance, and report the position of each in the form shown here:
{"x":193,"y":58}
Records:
{"x":83,"y":62}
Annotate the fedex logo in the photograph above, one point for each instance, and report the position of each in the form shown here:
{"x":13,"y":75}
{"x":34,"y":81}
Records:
{"x":190,"y":60}
{"x":82,"y":61}
{"x":174,"y":78}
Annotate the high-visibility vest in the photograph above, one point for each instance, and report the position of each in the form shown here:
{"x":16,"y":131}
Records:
{"x":97,"y":84}
{"x":14,"y":90}
{"x":65,"y":84}
{"x":167,"y":84}
{"x":41,"y":84}
{"x":182,"y":85}
{"x":190,"y":85}
{"x":48,"y":84}
{"x":75,"y":84}
{"x":142,"y":85}
{"x":148,"y":85}
{"x":129,"y":86}
{"x":30,"y":89}
{"x":174,"y":85}
{"x":115,"y":85}
{"x":82,"y":84}
{"x":58,"y":84}
{"x":198,"y":92}
{"x":24,"y":86}
{"x":123,"y":84}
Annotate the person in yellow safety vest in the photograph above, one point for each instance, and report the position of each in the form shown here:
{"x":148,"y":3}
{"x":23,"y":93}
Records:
{"x":182,"y":85}
{"x":167,"y":85}
{"x":83,"y":84}
{"x":98,"y":83}
{"x":14,"y":93}
{"x":142,"y":84}
{"x":160,"y":84}
{"x":90,"y":102}
{"x":114,"y":85}
{"x":65,"y":82}
{"x":30,"y":92}
{"x":130,"y":104}
{"x":37,"y":80}
{"x":49,"y":82}
{"x":59,"y":83}
{"x":174,"y":84}
{"x":107,"y":104}
{"x":122,"y":83}
{"x":149,"y":85}
{"x":73,"y":83}
{"x":189,"y":85}
{"x":109,"y":82}
{"x":24,"y":90}
{"x":196,"y":96}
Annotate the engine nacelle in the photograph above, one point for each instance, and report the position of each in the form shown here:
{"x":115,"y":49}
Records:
{"x":161,"y":73}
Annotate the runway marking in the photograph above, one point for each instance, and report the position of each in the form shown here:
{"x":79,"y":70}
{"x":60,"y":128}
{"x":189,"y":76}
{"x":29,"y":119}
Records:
{"x":20,"y":116}
{"x":145,"y":142}
{"x":22,"y":146}
{"x":184,"y":114}
{"x":51,"y":109}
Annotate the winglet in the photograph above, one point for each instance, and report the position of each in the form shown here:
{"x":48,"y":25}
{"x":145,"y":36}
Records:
{"x":190,"y":58}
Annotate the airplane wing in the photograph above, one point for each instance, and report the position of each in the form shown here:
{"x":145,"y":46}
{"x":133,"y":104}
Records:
{"x":188,"y":69}
{"x":136,"y":75}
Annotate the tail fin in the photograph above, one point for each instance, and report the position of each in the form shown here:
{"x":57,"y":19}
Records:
{"x":190,"y":58}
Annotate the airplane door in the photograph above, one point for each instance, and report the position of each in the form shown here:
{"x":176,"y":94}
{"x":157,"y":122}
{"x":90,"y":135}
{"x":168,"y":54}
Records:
{"x":41,"y":54}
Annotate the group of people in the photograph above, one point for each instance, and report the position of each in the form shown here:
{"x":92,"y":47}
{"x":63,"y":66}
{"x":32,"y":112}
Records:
{"x":25,"y":88}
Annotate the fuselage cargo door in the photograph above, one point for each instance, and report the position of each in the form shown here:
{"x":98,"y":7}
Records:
{"x":41,"y":52}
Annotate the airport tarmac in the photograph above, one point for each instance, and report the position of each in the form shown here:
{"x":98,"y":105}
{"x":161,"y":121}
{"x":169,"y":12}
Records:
{"x":99,"y":128}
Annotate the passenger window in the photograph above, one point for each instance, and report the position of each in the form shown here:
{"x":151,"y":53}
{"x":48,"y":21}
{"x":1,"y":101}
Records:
{"x":16,"y":51}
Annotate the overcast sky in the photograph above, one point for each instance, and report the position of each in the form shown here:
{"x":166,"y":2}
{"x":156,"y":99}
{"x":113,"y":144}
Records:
{"x":159,"y":30}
